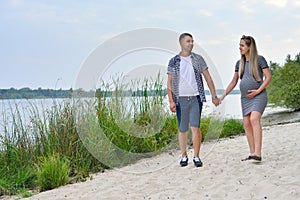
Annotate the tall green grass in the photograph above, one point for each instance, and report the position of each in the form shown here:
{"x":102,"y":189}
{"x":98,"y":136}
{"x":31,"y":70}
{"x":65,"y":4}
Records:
{"x":24,"y":143}
{"x":52,"y":172}
{"x":133,"y":119}
{"x":136,"y":122}
{"x":71,"y":139}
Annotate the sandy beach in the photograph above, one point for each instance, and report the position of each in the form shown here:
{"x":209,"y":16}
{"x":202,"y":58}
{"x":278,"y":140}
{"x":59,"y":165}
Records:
{"x":223,"y":175}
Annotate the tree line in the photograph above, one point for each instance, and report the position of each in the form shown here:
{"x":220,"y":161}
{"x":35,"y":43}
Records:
{"x":284,"y":90}
{"x":28,"y":93}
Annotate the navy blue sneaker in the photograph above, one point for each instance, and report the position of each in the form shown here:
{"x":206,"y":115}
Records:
{"x":184,"y":161}
{"x":197,"y":162}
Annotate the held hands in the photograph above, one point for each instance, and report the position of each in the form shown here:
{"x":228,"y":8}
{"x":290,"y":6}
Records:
{"x":216,"y":101}
{"x":222,"y":97}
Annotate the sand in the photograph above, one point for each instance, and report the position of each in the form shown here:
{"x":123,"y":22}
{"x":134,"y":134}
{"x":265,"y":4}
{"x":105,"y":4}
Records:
{"x":223,"y":175}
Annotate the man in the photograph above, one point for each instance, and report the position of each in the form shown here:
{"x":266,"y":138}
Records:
{"x":186,"y":94}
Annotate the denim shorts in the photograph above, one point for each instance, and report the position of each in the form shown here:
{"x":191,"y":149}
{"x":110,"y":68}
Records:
{"x":188,"y":112}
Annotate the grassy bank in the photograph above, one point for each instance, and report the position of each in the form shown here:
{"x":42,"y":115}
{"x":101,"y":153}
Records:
{"x":41,"y":149}
{"x":74,"y":138}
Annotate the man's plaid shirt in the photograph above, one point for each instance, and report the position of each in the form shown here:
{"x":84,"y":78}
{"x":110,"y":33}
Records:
{"x":199,"y":66}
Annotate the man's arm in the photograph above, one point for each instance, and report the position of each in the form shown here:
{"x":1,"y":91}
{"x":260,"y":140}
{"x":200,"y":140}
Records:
{"x":170,"y":96}
{"x":211,"y":87}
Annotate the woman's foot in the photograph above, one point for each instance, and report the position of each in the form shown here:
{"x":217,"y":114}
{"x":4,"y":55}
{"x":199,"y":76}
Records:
{"x":255,"y":157}
{"x":248,"y":157}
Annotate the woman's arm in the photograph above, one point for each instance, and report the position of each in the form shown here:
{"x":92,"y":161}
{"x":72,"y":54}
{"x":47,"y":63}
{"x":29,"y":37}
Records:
{"x":266,"y":82}
{"x":231,"y":85}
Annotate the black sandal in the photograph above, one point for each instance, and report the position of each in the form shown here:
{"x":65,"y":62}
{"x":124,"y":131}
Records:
{"x":247,"y":158}
{"x":255,"y":157}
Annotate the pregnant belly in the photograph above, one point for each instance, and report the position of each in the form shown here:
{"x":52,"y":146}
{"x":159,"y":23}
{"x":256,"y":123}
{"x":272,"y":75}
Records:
{"x":247,"y":84}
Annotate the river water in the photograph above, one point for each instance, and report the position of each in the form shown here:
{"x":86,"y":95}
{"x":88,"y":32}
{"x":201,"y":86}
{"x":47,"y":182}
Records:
{"x":230,"y":108}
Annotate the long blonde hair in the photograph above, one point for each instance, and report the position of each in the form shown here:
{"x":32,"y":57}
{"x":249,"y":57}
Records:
{"x":253,"y":62}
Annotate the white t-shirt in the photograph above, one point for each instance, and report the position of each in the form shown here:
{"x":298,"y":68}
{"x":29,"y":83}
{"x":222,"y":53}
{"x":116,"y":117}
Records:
{"x":187,"y":80}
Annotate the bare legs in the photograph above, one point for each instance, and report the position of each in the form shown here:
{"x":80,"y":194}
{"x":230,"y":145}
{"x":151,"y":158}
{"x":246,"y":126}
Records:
{"x":253,"y":131}
{"x":249,"y":133}
{"x":196,"y":137}
{"x":182,"y":138}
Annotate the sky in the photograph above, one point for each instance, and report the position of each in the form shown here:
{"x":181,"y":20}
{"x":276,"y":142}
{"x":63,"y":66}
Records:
{"x":44,"y":43}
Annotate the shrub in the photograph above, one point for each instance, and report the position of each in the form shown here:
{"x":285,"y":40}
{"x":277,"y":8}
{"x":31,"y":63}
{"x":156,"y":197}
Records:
{"x":52,"y":172}
{"x":212,"y":128}
{"x":284,"y":90}
{"x":232,"y":127}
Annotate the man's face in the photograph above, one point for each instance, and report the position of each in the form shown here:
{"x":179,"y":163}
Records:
{"x":187,"y":43}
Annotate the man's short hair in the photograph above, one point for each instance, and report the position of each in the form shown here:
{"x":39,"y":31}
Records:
{"x":183,"y":35}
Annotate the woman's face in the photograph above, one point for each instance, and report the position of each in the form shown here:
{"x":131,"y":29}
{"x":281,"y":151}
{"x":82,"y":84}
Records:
{"x":244,"y":49}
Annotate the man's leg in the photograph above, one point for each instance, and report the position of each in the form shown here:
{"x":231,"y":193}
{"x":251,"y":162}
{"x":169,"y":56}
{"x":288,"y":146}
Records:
{"x":182,"y":138}
{"x":183,"y":118}
{"x":195,"y":117}
{"x":196,"y":137}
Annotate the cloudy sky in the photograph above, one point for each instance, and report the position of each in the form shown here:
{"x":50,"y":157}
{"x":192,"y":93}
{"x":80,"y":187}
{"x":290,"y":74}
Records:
{"x":44,"y":43}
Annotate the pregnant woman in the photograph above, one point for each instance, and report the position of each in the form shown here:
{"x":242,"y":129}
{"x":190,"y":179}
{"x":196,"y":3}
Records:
{"x":251,"y":69}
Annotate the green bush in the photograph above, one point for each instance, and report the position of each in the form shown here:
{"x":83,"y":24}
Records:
{"x":52,"y":172}
{"x":232,"y":127}
{"x":284,"y":90}
{"x":212,"y":128}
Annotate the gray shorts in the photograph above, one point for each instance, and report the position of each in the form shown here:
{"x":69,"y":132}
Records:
{"x":188,"y":111}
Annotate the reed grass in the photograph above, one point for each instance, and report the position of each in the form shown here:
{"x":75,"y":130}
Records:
{"x":25,"y":142}
{"x":44,"y":148}
{"x":52,"y":172}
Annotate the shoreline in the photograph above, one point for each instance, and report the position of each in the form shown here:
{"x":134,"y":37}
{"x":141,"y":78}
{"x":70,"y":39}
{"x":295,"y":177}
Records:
{"x":223,"y":175}
{"x":279,"y":115}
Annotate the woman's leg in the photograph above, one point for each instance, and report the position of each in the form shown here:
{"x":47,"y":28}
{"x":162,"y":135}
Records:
{"x":257,"y":131}
{"x":249,"y":133}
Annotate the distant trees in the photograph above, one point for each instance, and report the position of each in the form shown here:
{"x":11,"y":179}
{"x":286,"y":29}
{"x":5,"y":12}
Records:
{"x":27,"y":93}
{"x":284,"y":90}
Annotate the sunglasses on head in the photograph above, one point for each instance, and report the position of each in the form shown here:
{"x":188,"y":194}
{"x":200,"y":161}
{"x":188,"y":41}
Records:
{"x":246,"y":37}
